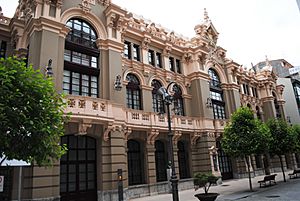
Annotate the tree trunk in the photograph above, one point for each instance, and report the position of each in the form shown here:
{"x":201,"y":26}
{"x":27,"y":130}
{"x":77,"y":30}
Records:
{"x":249,"y":174}
{"x":282,"y":169}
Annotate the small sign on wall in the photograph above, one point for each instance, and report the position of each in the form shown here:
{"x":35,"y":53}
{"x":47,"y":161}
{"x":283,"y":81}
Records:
{"x":1,"y":183}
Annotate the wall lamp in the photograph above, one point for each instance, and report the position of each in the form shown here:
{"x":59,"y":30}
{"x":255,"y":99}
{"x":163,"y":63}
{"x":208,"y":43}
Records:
{"x":118,"y":84}
{"x":209,"y":103}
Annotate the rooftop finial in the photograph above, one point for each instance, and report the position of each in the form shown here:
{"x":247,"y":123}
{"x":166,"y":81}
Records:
{"x":206,"y":18}
{"x":267,"y":61}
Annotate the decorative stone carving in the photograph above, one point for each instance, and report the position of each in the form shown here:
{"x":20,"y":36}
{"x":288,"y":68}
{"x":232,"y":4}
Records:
{"x":171,"y":37}
{"x":83,"y":126}
{"x":104,"y":2}
{"x":167,"y":50}
{"x":115,"y":21}
{"x":176,"y":136}
{"x":85,"y":6}
{"x":146,"y":42}
{"x":187,"y":57}
{"x":194,"y":137}
{"x":127,"y":132}
{"x":151,"y":29}
{"x":152,"y":135}
{"x":71,"y":102}
{"x":107,"y":131}
{"x":15,"y":39}
{"x":81,"y":104}
{"x":95,"y":105}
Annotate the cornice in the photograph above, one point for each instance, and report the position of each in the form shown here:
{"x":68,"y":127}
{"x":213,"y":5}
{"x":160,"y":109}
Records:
{"x":198,"y":75}
{"x":43,"y":23}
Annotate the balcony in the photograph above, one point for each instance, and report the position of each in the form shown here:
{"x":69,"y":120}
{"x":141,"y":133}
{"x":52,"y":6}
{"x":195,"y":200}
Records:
{"x":103,"y":111}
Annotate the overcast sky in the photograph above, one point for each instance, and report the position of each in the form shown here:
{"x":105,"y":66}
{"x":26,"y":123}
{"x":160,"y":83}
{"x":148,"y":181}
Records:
{"x":248,"y":29}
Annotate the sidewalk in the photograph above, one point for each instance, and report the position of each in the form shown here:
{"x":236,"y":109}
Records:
{"x":229,"y":190}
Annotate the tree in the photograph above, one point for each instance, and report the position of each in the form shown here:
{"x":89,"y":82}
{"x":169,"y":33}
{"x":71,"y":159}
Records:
{"x":296,"y":130}
{"x":31,"y":114}
{"x":283,"y":139}
{"x":244,"y":135}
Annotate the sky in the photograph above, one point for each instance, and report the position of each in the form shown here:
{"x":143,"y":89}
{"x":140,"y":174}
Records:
{"x":249,"y":30}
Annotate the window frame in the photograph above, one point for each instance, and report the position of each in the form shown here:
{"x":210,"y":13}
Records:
{"x":133,"y":92}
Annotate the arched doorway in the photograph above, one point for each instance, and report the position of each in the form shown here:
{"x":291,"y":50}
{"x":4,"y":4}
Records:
{"x":78,"y":169}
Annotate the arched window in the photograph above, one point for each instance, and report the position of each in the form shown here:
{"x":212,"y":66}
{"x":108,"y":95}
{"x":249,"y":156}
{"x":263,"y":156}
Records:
{"x":135,"y":163}
{"x":161,"y":161}
{"x":178,"y":101}
{"x":81,"y":68}
{"x":133,"y":92}
{"x":183,"y":160}
{"x":277,"y":109}
{"x":216,"y":95}
{"x":157,"y":102}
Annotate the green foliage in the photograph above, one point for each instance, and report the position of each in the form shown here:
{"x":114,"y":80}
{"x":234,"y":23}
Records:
{"x":284,"y":139}
{"x":31,"y":114}
{"x":204,"y":180}
{"x":296,"y":130}
{"x":245,"y":135}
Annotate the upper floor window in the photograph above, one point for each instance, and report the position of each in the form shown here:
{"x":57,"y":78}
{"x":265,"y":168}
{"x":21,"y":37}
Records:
{"x":151,"y":59}
{"x":171,"y":64}
{"x":216,"y":95}
{"x":157,"y":102}
{"x":133,"y":92}
{"x":246,"y":89}
{"x":214,"y":78}
{"x":131,"y":51}
{"x":158,"y":60}
{"x":127,"y":50}
{"x":178,"y":101}
{"x":254,"y":92}
{"x":178,"y":66}
{"x":81,"y":33}
{"x":136,"y":52}
{"x":81,"y":67}
{"x":3,"y":49}
{"x":277,"y":107}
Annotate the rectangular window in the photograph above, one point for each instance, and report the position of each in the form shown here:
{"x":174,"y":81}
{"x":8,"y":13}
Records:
{"x":178,"y":66}
{"x":136,"y":52}
{"x":127,"y":50}
{"x":151,"y":57}
{"x":171,"y":64}
{"x":254,"y":92}
{"x":80,"y":84}
{"x":158,"y":59}
{"x":80,"y":58}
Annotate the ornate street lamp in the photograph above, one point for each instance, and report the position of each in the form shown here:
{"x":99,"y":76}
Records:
{"x":167,"y":99}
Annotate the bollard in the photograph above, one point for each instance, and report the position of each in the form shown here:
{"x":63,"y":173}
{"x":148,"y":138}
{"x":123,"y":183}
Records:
{"x":120,"y":185}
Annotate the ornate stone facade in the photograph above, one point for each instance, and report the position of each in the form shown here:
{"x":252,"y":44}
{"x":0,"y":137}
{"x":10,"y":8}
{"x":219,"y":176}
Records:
{"x":210,"y":87}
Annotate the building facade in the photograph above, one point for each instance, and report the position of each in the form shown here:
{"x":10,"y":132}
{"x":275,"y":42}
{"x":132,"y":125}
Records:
{"x":288,"y":75}
{"x":111,"y":63}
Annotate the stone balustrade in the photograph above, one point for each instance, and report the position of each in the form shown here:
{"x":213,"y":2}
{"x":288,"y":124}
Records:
{"x":104,"y":111}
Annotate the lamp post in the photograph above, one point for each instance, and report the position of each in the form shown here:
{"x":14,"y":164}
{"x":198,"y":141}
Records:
{"x":167,"y":99}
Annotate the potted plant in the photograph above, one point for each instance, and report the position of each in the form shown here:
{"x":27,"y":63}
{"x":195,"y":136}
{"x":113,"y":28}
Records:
{"x":205,"y":180}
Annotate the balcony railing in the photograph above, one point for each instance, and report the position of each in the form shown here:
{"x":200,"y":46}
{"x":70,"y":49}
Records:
{"x":105,"y":111}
